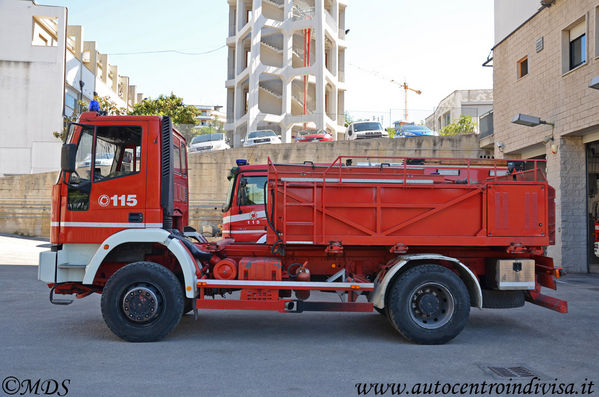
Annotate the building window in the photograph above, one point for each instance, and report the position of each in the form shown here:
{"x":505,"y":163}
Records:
{"x":574,"y":46}
{"x":577,"y":51}
{"x":522,"y":67}
{"x":446,"y":119}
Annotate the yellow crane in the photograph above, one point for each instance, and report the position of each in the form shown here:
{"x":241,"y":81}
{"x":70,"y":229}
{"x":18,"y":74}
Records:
{"x":404,"y":85}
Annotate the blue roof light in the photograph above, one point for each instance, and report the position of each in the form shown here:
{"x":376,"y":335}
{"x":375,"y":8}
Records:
{"x":241,"y":162}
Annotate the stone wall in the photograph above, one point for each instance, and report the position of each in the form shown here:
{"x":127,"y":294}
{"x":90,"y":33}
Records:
{"x":25,"y":204}
{"x":25,"y":200}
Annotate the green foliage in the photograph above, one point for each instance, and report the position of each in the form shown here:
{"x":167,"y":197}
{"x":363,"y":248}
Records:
{"x":171,"y":106}
{"x":348,"y":119}
{"x":391,"y":132}
{"x":183,"y":116}
{"x":105,"y":103}
{"x":465,"y":125}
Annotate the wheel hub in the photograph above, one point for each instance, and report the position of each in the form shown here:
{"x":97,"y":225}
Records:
{"x":431,"y":305}
{"x":140,"y":304}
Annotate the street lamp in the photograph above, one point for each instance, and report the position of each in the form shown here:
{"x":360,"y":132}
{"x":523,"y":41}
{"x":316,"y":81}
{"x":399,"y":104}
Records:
{"x":529,"y":121}
{"x":533,"y":121}
{"x":594,"y":83}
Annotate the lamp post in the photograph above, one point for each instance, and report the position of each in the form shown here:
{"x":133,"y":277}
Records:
{"x":81,"y":84}
{"x":533,"y":121}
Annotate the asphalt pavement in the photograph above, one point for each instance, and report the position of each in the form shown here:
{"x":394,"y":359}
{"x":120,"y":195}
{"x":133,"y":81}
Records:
{"x":237,"y":353}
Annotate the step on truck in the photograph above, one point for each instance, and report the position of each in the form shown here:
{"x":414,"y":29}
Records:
{"x":420,"y":241}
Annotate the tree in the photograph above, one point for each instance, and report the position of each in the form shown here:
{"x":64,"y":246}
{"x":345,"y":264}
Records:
{"x":348,"y":119}
{"x":184,"y":116}
{"x":465,"y":125}
{"x":106,"y":104}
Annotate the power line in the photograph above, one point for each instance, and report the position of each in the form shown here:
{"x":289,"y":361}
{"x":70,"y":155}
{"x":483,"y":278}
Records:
{"x":180,"y":52}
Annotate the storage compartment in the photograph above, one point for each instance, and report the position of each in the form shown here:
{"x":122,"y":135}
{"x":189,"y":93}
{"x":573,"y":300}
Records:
{"x":264,"y":269}
{"x":515,"y":274}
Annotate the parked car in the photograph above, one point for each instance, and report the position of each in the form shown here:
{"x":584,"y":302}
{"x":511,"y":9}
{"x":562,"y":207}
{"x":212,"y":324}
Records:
{"x":410,"y":130}
{"x":261,"y":137}
{"x":102,"y":160}
{"x":365,"y":129}
{"x":313,"y":136}
{"x":209,"y":142}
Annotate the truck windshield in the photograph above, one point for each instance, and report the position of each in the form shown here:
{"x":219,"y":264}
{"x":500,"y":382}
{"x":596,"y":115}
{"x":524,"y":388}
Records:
{"x":367,"y":127}
{"x":260,"y":134}
{"x":207,"y":138}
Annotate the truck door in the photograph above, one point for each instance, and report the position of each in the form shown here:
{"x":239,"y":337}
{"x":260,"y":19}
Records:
{"x":108,"y":193}
{"x":245,"y":219}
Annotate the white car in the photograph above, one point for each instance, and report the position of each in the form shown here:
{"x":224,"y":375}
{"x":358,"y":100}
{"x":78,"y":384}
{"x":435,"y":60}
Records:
{"x":261,"y":138}
{"x":365,"y":129}
{"x":208,"y":143}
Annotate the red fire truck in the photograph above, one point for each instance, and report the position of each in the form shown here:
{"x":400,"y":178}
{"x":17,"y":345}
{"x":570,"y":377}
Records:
{"x":419,"y":240}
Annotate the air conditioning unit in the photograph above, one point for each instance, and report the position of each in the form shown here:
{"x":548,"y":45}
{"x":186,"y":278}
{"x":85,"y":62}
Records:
{"x":86,"y":56}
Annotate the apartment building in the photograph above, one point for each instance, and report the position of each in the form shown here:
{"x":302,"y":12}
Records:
{"x":474,"y":103}
{"x":545,"y":56}
{"x":210,"y":116}
{"x":45,"y":69}
{"x":286,"y":67}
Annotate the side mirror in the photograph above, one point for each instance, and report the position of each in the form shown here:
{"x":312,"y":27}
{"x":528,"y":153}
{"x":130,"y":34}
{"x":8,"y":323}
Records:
{"x":279,"y":136}
{"x":387,"y":129}
{"x":67,"y":157}
{"x":242,"y":140}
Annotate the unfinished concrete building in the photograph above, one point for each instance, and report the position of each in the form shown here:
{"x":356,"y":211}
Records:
{"x":286,"y":67}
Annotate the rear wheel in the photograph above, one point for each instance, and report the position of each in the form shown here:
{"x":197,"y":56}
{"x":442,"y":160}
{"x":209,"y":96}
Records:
{"x":428,"y":304}
{"x":142,"y":302}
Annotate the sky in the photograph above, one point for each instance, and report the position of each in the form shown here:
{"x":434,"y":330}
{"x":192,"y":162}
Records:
{"x":436,"y":46}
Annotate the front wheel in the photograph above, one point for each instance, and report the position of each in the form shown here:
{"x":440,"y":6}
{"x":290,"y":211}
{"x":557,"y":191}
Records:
{"x":428,"y":304}
{"x":142,"y":302}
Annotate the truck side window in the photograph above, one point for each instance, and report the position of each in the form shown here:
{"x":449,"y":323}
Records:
{"x":183,"y":160}
{"x":78,"y":196}
{"x":251,"y":190}
{"x":118,"y":151}
{"x":177,"y":158}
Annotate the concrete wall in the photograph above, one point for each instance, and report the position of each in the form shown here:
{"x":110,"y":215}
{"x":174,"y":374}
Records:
{"x":32,"y":89}
{"x":25,"y":204}
{"x":25,"y":200}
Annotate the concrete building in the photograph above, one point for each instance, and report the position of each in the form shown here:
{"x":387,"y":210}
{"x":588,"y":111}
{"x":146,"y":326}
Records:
{"x":210,"y":116}
{"x":45,"y":68}
{"x":32,"y":76}
{"x":85,"y":64}
{"x":473,"y":103}
{"x":274,"y":82}
{"x":545,"y":56}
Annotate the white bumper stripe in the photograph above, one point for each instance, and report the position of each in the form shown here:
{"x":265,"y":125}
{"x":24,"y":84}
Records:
{"x":106,"y":224}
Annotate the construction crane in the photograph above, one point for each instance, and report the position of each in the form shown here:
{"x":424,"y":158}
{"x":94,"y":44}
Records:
{"x":404,"y":85}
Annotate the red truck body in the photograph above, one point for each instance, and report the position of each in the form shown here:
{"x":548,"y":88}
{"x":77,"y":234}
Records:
{"x":419,"y":240}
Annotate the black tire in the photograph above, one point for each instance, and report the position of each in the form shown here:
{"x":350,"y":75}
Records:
{"x":428,"y":304}
{"x":142,"y":302}
{"x":187,"y":305}
{"x":380,"y":311}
